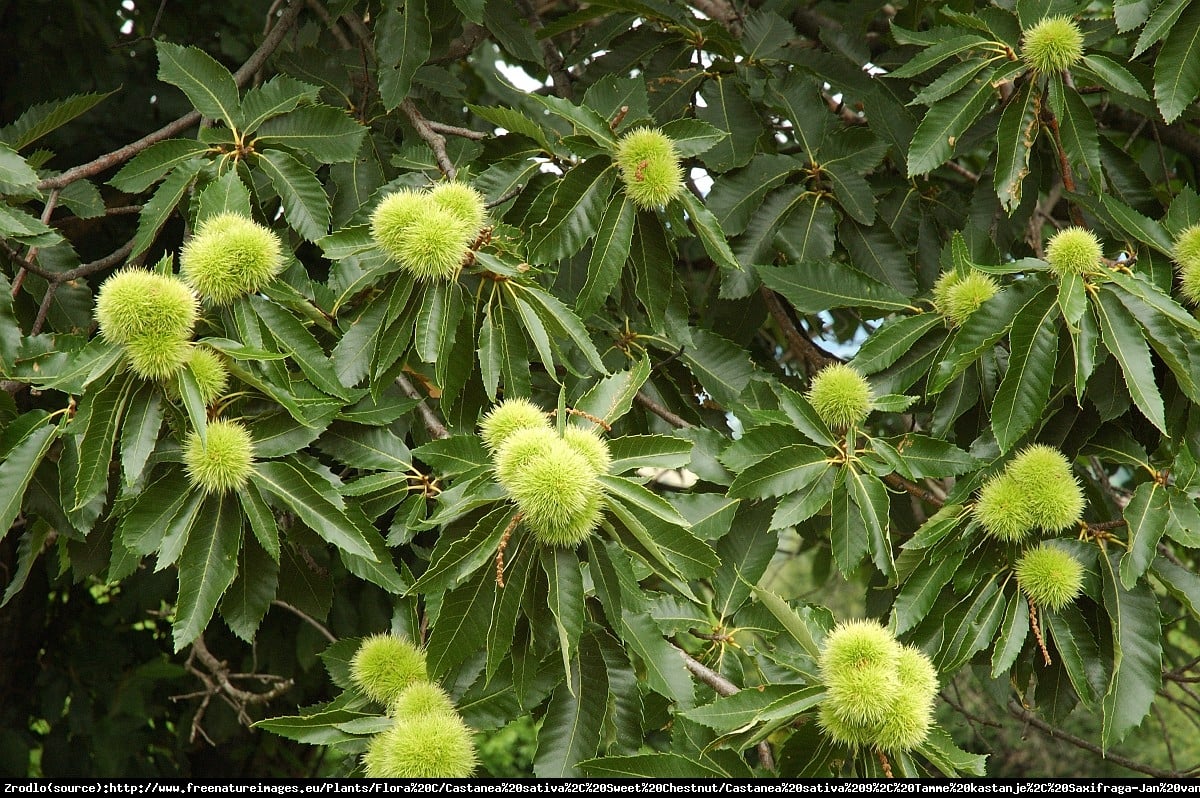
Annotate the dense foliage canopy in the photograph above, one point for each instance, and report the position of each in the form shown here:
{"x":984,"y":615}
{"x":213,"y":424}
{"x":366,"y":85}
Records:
{"x":855,"y":344}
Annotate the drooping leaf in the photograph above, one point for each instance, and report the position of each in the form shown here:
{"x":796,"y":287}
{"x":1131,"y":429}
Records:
{"x":305,"y":205}
{"x":207,"y":566}
{"x":1137,"y":653}
{"x":574,"y":719}
{"x":1025,"y":388}
{"x":208,"y":85}
{"x":328,"y":134}
{"x":314,"y":501}
{"x":402,"y":44}
{"x":1177,"y":68}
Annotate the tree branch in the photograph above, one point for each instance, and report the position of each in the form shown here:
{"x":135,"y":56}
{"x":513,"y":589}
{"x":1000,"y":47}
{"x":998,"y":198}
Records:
{"x":812,"y":356}
{"x":435,"y":140}
{"x":241,"y":78}
{"x":553,"y":59}
{"x":924,"y":494}
{"x":432,"y":423}
{"x":662,"y":412}
{"x":1024,"y":715}
{"x":311,"y":621}
{"x":723,"y":687}
{"x":471,"y":36}
{"x":720,"y":11}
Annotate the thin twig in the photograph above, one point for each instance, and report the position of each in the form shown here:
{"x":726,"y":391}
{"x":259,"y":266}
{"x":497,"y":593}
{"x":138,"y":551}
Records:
{"x":1064,"y":165}
{"x":723,"y":687}
{"x":553,"y":59}
{"x":454,"y":130}
{"x":318,"y":8}
{"x":435,"y":140}
{"x":47,"y":212}
{"x":432,"y":423}
{"x":954,"y":166}
{"x":971,"y":718}
{"x":44,"y":308}
{"x":241,"y":78}
{"x":662,"y":412}
{"x":924,"y":494}
{"x":108,"y":261}
{"x":813,"y":358}
{"x":1022,"y":714}
{"x":304,"y":616}
{"x":461,"y":47}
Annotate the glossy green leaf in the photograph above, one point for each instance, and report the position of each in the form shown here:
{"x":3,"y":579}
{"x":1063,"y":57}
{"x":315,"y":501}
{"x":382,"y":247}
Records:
{"x":709,"y":231}
{"x":148,"y":166}
{"x":1019,"y":125}
{"x":402,"y":44}
{"x":787,"y":470}
{"x":1177,"y":68}
{"x":571,"y":728}
{"x":814,"y":286}
{"x":305,"y":205}
{"x":1137,"y":653}
{"x":314,"y":501}
{"x":207,"y":566}
{"x":248,"y":598}
{"x":1025,"y":388}
{"x":935,"y":137}
{"x":159,"y":208}
{"x":102,"y":412}
{"x":208,"y":85}
{"x":1124,"y":340}
{"x":1076,"y":646}
{"x":1146,"y":516}
{"x":17,"y":468}
{"x":920,"y":591}
{"x":1014,"y":628}
{"x":139,"y":432}
{"x":326,"y":133}
{"x":610,"y":250}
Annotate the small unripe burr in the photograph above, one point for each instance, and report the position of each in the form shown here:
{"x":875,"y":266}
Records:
{"x":135,"y":303}
{"x":509,"y":416}
{"x":395,"y":213}
{"x":385,"y":665}
{"x":956,"y":296}
{"x":841,"y":396}
{"x":229,"y":256}
{"x":858,"y":666}
{"x":590,"y":446}
{"x":519,"y":449}
{"x":907,"y":722}
{"x":222,"y":461}
{"x":209,"y":370}
{"x":421,"y":698}
{"x":649,"y":166}
{"x":1050,"y":576}
{"x":1074,"y":250}
{"x":155,"y":357}
{"x":462,"y":201}
{"x":1052,"y":45}
{"x":1053,"y":497}
{"x":1186,"y":254}
{"x":1002,"y":509}
{"x":431,"y":746}
{"x":558,"y":494}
